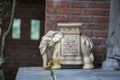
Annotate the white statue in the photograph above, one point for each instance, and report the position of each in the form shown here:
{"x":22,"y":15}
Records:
{"x":53,"y":39}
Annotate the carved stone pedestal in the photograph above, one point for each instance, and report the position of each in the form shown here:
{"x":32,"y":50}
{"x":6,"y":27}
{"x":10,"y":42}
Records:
{"x":70,"y":44}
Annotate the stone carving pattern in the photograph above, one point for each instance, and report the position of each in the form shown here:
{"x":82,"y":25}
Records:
{"x":70,"y":45}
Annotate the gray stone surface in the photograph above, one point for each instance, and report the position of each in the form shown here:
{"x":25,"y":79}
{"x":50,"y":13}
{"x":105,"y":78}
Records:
{"x":110,"y":63}
{"x":80,"y":74}
{"x":33,"y":73}
{"x":38,"y":73}
{"x":105,"y":74}
{"x":73,"y":74}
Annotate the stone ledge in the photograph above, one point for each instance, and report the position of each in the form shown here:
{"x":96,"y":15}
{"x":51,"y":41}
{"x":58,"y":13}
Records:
{"x":38,"y":73}
{"x":33,"y":73}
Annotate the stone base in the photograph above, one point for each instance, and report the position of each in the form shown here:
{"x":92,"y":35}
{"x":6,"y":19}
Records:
{"x":110,"y":63}
{"x":72,"y":66}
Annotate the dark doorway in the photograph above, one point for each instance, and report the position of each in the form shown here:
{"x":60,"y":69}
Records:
{"x":22,"y":46}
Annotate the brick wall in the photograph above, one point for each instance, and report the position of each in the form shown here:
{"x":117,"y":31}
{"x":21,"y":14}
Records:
{"x":93,"y":14}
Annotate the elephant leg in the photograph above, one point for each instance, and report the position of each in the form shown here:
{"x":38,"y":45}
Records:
{"x":87,"y":63}
{"x":42,"y":49}
{"x":44,"y":57}
{"x":86,"y":47}
{"x":56,"y":57}
{"x":56,"y":64}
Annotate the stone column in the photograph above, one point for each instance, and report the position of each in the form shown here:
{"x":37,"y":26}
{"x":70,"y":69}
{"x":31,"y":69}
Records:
{"x":113,"y":49}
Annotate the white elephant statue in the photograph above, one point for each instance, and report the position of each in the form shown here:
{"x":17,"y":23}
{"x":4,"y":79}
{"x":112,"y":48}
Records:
{"x":53,"y":40}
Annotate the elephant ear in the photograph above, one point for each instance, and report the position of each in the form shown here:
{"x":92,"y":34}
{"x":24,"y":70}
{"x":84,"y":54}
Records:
{"x":57,"y":36}
{"x":49,"y":39}
{"x":43,"y":49}
{"x":45,"y":41}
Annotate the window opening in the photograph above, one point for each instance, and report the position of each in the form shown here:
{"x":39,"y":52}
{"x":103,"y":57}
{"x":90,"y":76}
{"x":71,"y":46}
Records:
{"x":16,"y":29}
{"x":35,"y":29}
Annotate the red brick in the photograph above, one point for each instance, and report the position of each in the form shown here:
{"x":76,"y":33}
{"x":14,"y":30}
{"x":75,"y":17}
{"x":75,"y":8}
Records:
{"x":94,"y":12}
{"x":81,"y":18}
{"x":101,"y":34}
{"x":57,"y":3}
{"x":101,"y":19}
{"x":94,"y":26}
{"x":49,"y":25}
{"x":102,"y":5}
{"x":60,"y":18}
{"x":51,"y":10}
{"x":99,"y":57}
{"x":107,"y":12}
{"x":98,"y":41}
{"x":68,"y":11}
{"x":86,"y":32}
{"x":101,"y":49}
{"x":99,"y":27}
{"x":82,"y":4}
